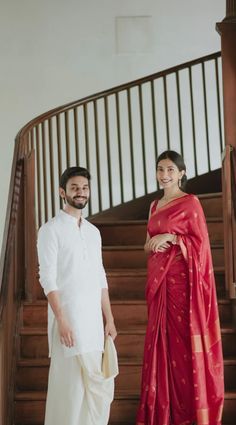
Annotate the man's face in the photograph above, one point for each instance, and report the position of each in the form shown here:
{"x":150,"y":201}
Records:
{"x":77,"y":192}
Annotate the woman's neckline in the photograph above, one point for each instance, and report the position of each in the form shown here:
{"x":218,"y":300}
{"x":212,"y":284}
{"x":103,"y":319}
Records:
{"x":169,"y":202}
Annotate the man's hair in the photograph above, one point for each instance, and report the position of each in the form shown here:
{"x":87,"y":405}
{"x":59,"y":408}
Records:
{"x":72,"y":172}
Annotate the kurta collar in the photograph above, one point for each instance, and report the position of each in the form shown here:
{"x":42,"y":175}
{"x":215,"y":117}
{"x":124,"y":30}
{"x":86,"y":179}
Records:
{"x":70,"y":218}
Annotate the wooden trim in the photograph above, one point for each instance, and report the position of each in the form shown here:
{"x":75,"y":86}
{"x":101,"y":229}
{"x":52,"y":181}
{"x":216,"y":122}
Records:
{"x":30,"y":228}
{"x":11,"y":290}
{"x":230,"y":9}
{"x":8,"y":223}
{"x":229,"y":223}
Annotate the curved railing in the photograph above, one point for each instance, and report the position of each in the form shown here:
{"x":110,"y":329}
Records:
{"x":117,"y":134}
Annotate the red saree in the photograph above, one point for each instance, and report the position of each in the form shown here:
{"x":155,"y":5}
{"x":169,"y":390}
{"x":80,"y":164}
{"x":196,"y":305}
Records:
{"x":182,"y":377}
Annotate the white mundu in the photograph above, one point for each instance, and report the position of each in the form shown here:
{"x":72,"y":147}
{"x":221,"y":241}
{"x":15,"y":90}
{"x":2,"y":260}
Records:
{"x":71,"y":262}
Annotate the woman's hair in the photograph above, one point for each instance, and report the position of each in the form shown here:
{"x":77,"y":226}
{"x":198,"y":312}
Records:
{"x":72,"y":172}
{"x":178,"y":160}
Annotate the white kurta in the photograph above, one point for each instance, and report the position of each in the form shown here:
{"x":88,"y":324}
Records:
{"x":71,"y":262}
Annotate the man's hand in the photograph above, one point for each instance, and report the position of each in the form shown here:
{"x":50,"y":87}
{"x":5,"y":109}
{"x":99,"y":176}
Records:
{"x":110,"y":329}
{"x":65,"y":332}
{"x":64,"y":327}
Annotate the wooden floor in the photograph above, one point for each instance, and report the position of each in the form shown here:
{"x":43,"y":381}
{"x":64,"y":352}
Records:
{"x":125,"y":264}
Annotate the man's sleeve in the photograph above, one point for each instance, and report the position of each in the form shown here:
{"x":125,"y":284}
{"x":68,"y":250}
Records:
{"x":47,"y":254}
{"x":103,"y":278}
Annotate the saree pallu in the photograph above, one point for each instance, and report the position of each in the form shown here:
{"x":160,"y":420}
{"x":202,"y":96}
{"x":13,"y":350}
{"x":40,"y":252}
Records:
{"x":182,"y":377}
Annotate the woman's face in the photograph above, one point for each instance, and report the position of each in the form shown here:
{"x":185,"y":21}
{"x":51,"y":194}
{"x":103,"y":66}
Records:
{"x":168,"y":174}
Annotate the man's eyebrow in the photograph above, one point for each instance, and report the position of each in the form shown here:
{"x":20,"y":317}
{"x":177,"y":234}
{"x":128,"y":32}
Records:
{"x":75,"y":184}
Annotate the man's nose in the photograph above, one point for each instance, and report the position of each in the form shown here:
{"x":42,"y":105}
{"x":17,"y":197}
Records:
{"x":79,"y":191}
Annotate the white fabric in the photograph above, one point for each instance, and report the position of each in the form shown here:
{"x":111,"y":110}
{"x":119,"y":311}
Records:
{"x":109,"y":359}
{"x":70,"y":261}
{"x":78,"y":393}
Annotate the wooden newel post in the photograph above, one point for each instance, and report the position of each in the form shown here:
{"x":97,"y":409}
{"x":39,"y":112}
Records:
{"x":230,"y":9}
{"x":227,"y":30}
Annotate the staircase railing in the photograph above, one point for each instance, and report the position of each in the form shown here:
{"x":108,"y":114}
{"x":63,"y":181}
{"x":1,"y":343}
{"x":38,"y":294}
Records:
{"x":117,"y":134}
{"x":229,"y":211}
{"x":12,"y":286}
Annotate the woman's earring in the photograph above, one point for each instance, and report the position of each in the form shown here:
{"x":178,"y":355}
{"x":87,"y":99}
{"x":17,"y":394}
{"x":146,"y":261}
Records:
{"x":180,"y":182}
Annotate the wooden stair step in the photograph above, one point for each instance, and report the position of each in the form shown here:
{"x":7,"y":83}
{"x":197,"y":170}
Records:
{"x":212,"y":204}
{"x":133,"y":232}
{"x":35,"y":378}
{"x":139,"y":208}
{"x":130,"y":283}
{"x":126,"y":313}
{"x":129,"y":343}
{"x":29,"y":408}
{"x":135,"y":257}
{"x":32,"y":374}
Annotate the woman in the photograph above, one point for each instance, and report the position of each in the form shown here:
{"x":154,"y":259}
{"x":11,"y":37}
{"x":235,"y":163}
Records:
{"x":182,"y":377}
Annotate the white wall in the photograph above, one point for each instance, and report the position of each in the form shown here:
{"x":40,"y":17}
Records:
{"x":56,"y":51}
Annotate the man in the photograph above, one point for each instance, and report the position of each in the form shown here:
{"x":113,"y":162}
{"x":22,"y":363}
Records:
{"x":74,"y":281}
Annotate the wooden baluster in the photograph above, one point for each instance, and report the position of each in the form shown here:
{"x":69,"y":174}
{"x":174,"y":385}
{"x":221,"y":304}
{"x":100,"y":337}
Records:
{"x":109,"y":164}
{"x":143,"y":138}
{"x":99,"y":185}
{"x":131,"y":142}
{"x":193,"y":120}
{"x":119,"y":147}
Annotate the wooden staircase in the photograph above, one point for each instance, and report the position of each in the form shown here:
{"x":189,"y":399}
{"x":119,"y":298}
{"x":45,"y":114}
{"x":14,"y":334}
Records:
{"x":125,"y":263}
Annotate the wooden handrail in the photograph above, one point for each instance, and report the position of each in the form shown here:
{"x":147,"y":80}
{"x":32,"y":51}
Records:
{"x":12,"y":286}
{"x":95,"y":129}
{"x":68,"y":106}
{"x":229,"y":216}
{"x":8,"y":229}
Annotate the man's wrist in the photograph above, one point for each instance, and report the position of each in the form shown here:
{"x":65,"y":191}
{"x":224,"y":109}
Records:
{"x":60,"y":316}
{"x":110,"y":319}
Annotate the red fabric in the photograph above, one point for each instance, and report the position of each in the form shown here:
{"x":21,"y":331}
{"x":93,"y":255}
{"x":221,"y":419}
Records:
{"x":182,"y":378}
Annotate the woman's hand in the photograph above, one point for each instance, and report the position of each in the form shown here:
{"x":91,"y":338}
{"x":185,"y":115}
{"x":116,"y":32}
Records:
{"x":160,"y":243}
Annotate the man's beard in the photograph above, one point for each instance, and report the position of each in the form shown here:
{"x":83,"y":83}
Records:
{"x":75,"y":204}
